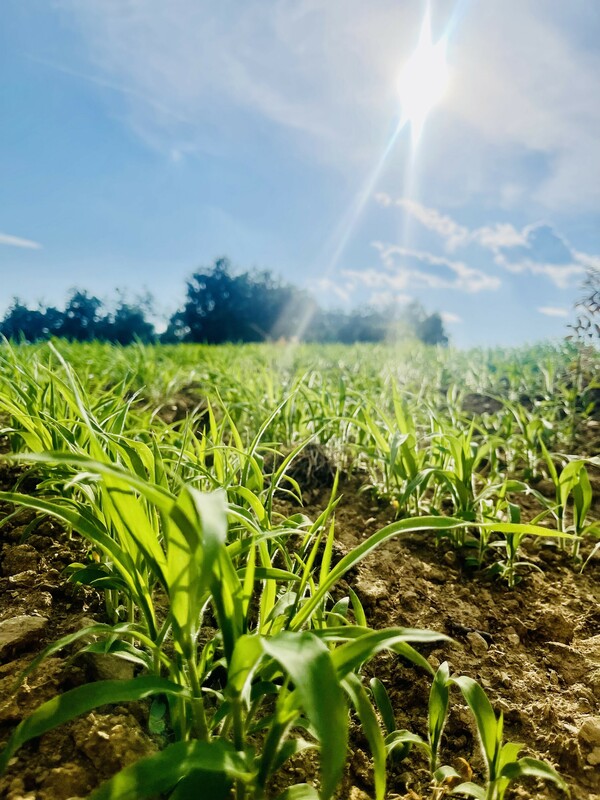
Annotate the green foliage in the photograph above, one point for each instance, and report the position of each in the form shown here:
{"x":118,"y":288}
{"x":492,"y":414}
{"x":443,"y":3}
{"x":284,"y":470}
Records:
{"x":83,"y":319}
{"x":227,"y":604}
{"x":500,"y":758}
{"x":221,"y":306}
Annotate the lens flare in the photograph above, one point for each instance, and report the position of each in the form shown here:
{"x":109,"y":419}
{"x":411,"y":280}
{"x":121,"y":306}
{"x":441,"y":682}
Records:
{"x":424,"y":79}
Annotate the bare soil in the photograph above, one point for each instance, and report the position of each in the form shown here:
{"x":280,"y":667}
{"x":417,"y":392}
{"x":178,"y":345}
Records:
{"x":535,"y":649}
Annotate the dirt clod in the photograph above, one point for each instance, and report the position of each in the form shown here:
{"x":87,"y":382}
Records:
{"x":17,"y":633}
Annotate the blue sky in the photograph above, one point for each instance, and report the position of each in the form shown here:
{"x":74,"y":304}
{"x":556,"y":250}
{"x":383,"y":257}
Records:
{"x":139,"y":140}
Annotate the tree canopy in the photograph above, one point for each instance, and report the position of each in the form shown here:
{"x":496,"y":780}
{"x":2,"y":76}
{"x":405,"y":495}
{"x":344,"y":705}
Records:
{"x":222,"y":305}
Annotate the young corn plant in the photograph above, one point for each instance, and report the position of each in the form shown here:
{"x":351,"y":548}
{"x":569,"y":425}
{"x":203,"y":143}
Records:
{"x":282,"y":646}
{"x":399,"y":742}
{"x":502,"y":764}
{"x":501,"y":759}
{"x":572,"y":487}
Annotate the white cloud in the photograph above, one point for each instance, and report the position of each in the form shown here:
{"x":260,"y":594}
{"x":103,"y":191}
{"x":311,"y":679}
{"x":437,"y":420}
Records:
{"x":450,"y":317}
{"x":562,"y":275}
{"x":535,"y":249}
{"x":456,"y":235}
{"x":16,"y":241}
{"x":553,"y":311}
{"x":458,"y":276}
{"x":540,"y":96}
{"x":405,"y":269}
{"x":453,"y":233}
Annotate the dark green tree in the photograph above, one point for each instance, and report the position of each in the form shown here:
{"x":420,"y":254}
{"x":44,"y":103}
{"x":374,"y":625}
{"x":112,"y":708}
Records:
{"x":127,"y":322}
{"x":21,"y":322}
{"x":427,"y":328}
{"x":80,"y":317}
{"x":222,"y":306}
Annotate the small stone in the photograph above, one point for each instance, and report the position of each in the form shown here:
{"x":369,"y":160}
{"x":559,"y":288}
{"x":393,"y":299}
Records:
{"x":505,"y":679}
{"x":571,"y":665}
{"x":589,"y":740}
{"x":69,"y":780}
{"x":113,"y":741}
{"x":513,"y":639}
{"x":436,"y":575}
{"x":479,"y":646}
{"x":554,"y":626}
{"x":19,"y":632}
{"x":19,"y":558}
{"x":23,"y":580}
{"x":357,"y":794}
{"x":410,"y":601}
{"x":107,"y":667}
{"x":372,"y":591}
{"x":589,"y":733}
{"x":433,"y":661}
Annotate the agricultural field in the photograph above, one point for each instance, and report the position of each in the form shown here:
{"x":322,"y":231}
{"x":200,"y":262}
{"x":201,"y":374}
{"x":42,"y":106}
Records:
{"x":299,"y":571}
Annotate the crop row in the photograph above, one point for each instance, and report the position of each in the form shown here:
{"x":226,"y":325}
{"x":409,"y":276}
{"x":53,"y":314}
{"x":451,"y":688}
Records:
{"x":171,"y":464}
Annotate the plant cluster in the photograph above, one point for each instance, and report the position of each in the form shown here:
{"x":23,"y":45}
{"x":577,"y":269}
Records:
{"x":227,"y":605}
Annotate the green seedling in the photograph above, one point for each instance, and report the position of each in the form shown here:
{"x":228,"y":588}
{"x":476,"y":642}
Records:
{"x":502,"y":765}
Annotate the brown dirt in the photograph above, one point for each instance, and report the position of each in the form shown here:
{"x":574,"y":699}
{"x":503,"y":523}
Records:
{"x":34,"y":593}
{"x":535,"y":650}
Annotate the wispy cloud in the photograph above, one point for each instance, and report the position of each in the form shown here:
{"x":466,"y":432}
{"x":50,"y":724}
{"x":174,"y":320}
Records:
{"x":404,"y":270}
{"x":17,"y":241}
{"x":553,"y":311}
{"x":432,"y":271}
{"x":450,"y":317}
{"x":536,"y":249}
{"x":329,"y":71}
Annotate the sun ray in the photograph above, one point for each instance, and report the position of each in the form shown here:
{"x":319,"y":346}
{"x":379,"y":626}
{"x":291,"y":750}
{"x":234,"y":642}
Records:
{"x":424,"y":79}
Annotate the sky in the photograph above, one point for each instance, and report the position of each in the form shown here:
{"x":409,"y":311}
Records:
{"x":141,"y":139}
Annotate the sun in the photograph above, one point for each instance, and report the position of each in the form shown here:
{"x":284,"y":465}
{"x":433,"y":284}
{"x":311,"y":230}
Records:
{"x":423,"y":80}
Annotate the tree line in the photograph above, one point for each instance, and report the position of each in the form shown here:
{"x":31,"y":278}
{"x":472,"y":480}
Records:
{"x":221,"y":306}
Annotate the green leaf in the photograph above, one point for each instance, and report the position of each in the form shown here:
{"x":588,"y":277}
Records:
{"x":301,"y":791}
{"x":352,"y":654}
{"x":487,"y":724}
{"x":350,"y":560}
{"x":79,"y":701}
{"x":246,"y":655}
{"x":159,"y":773}
{"x":202,"y":783}
{"x":533,"y":768}
{"x":438,"y":710}
{"x":357,"y":608}
{"x":443,"y":773}
{"x":470,"y":790}
{"x":404,"y":738}
{"x":384,"y":706}
{"x":372,"y":731}
{"x":194,"y":543}
{"x":308,"y":662}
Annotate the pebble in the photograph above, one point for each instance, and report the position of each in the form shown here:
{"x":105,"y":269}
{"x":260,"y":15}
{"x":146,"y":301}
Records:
{"x":410,"y":601}
{"x":479,"y":646}
{"x":18,"y":632}
{"x":589,"y":740}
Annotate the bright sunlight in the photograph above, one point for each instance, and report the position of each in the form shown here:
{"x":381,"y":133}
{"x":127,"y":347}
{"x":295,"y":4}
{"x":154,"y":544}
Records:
{"x":423,"y":80}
